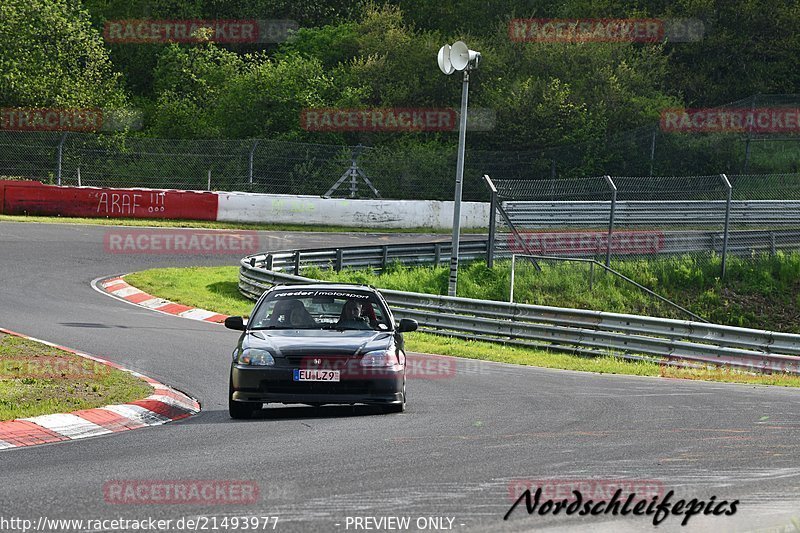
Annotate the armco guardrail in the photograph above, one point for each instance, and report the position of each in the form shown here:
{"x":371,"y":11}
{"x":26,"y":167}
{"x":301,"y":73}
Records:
{"x":370,"y":256}
{"x":584,"y":332}
{"x":654,"y":242}
{"x":576,"y":214}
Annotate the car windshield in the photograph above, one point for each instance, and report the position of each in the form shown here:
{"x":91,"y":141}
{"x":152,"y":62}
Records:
{"x":320,"y":309}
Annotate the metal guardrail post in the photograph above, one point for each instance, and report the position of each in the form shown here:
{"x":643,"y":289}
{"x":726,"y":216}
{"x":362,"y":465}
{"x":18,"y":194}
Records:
{"x":269,"y":261}
{"x":492,"y":220}
{"x":728,"y":185}
{"x":59,"y":157}
{"x":339,"y":260}
{"x":437,"y":254}
{"x":384,"y":256}
{"x":297,"y":263}
{"x":611,"y":217}
{"x":511,"y":290}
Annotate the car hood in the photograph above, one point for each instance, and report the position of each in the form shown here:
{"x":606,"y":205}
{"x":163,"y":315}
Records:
{"x":287,"y":343}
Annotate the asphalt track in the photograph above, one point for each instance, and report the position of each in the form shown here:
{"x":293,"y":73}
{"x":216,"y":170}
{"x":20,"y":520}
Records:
{"x":452,"y":454}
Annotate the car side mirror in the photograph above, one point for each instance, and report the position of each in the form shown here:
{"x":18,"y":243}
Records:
{"x":407,"y":324}
{"x":234,"y":322}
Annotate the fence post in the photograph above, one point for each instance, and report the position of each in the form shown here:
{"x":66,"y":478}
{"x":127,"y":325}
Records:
{"x":611,"y":217}
{"x":59,"y":155}
{"x":492,"y":220}
{"x":511,"y":290}
{"x":749,"y":137}
{"x":339,"y":259}
{"x":79,"y":176}
{"x":652,"y":151}
{"x":250,"y":167}
{"x":729,"y":188}
{"x":209,"y":179}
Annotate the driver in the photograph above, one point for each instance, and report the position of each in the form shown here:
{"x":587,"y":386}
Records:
{"x":351,"y":316}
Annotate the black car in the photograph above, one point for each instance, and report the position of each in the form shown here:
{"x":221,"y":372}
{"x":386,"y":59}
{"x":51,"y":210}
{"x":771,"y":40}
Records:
{"x":319,"y":344}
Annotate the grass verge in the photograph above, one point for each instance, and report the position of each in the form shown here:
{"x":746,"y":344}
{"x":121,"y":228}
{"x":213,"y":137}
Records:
{"x":215,"y":289}
{"x":203,"y":224}
{"x":36,"y":379}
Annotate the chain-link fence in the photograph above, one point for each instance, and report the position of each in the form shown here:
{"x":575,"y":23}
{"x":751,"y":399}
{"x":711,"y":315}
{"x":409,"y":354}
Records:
{"x":276,"y":167}
{"x":658,"y":150}
{"x":416,"y":169}
{"x":616,"y":220}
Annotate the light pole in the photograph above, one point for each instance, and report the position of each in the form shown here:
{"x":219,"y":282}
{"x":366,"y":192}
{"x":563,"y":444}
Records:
{"x":450,"y":59}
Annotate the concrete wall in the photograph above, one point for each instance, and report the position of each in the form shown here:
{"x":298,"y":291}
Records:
{"x":34,"y":198}
{"x":268,"y":208}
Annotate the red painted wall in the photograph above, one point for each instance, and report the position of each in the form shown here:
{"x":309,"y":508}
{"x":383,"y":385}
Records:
{"x":34,"y":198}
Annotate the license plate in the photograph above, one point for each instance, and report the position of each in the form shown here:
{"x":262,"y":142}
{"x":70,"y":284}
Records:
{"x":315,"y":374}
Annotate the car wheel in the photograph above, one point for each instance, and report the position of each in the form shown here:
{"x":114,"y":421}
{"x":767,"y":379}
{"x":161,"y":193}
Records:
{"x":396,"y":407}
{"x":240,"y":410}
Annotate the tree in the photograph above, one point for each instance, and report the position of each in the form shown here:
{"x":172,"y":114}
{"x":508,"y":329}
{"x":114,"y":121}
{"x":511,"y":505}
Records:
{"x":50,"y":55}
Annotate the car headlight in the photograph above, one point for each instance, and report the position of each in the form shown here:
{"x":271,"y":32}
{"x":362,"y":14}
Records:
{"x":255,"y":357}
{"x":380,"y":358}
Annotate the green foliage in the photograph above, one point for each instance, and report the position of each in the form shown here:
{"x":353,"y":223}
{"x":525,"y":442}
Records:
{"x":381,"y":53}
{"x":51,"y":56}
{"x":265,"y":100}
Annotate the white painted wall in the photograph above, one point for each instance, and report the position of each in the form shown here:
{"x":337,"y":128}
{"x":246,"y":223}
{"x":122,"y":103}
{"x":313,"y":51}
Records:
{"x":273,"y":208}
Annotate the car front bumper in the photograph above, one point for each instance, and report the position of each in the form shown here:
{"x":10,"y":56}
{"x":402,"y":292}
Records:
{"x":276,"y":385}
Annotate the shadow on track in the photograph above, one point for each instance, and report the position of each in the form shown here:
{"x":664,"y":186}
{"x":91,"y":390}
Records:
{"x":293,"y":412}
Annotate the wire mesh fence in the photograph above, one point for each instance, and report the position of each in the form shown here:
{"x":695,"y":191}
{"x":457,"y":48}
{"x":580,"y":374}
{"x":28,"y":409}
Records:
{"x":417,"y":169}
{"x":255,"y":165}
{"x":649,"y":227}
